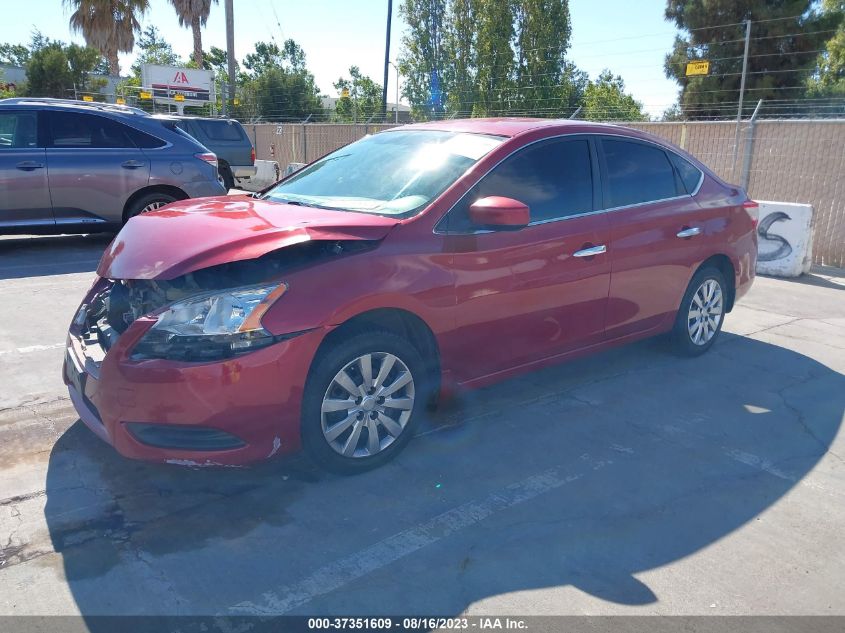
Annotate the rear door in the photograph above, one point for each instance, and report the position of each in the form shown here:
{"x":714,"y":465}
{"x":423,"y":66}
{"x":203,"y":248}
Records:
{"x":655,"y":227}
{"x":24,"y":195}
{"x":94,"y":167}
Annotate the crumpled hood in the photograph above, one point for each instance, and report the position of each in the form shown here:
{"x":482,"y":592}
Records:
{"x":193,"y":234}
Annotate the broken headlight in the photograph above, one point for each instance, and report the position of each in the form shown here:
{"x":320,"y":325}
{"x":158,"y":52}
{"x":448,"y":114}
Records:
{"x":211,"y":326}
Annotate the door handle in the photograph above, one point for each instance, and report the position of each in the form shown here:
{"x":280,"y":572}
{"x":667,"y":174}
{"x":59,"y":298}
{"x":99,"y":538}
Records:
{"x":132,"y":164}
{"x":591,"y":251}
{"x":29,"y":165}
{"x":689,"y":232}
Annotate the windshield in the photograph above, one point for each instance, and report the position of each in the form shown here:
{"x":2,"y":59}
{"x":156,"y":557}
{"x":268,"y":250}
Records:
{"x":392,"y":173}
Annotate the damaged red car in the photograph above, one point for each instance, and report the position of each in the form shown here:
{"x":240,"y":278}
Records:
{"x":328,"y":311}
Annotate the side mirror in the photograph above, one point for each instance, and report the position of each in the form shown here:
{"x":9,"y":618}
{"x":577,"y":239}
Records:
{"x":497,"y":212}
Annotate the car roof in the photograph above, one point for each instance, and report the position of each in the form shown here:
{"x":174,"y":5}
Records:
{"x":97,"y":106}
{"x":182,"y":117}
{"x":513,"y":126}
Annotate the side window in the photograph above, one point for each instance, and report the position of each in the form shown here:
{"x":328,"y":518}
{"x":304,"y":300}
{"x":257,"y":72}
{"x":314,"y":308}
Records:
{"x":18,"y":130}
{"x":690,"y":174}
{"x":553,"y":178}
{"x":637,"y":172}
{"x":71,"y":129}
{"x":221,"y":130}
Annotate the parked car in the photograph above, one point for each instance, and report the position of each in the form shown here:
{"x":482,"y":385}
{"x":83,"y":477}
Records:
{"x":328,"y":311}
{"x":71,"y":166}
{"x":226,"y":138}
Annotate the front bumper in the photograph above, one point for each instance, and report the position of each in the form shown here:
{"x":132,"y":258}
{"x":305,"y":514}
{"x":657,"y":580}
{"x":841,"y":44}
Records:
{"x":255,"y":398}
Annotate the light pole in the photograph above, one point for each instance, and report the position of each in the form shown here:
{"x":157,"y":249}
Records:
{"x":396,"y":118}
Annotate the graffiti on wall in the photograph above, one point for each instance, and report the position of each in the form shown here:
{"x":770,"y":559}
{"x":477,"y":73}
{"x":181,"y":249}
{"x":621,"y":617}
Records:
{"x":772,"y":246}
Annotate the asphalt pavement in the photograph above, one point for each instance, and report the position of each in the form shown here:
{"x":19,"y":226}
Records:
{"x":631,"y":482}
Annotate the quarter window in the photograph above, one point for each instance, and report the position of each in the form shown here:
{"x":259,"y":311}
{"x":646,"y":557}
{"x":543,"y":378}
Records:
{"x":637,"y":172}
{"x":689,"y":174}
{"x":553,"y":178}
{"x":69,"y":129}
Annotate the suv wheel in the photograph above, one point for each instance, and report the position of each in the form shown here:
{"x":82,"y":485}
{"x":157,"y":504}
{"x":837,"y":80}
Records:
{"x":149,"y":202}
{"x":362,"y":401}
{"x":226,"y":176}
{"x":701,"y":314}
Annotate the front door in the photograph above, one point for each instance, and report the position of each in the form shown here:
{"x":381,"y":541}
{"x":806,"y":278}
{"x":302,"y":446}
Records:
{"x":536,"y":292}
{"x":24,"y":194}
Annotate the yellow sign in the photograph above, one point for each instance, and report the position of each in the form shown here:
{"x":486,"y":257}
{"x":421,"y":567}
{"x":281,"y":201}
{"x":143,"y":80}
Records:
{"x":178,"y":97}
{"x":344,"y":94}
{"x":698,"y":68}
{"x":121,"y":101}
{"x":236,"y":101}
{"x":87,"y":98}
{"x":146,"y":95}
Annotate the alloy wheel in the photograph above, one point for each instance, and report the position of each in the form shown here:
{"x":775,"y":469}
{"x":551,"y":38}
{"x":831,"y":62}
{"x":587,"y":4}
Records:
{"x":367,"y":405}
{"x":705,"y":312}
{"x":152,"y":206}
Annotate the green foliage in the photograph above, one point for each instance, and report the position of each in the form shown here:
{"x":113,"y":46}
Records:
{"x":154,"y":49}
{"x":491,"y":57}
{"x":48,"y":73}
{"x":780,"y":60}
{"x":605,"y":100}
{"x":14,"y":54}
{"x":829,"y":81}
{"x":363,"y":101}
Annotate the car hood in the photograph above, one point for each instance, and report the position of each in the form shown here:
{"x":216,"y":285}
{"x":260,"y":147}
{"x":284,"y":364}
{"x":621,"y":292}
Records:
{"x":193,"y":234}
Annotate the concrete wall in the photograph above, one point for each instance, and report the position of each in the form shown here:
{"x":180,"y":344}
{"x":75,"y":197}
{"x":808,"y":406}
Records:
{"x":791,"y":161}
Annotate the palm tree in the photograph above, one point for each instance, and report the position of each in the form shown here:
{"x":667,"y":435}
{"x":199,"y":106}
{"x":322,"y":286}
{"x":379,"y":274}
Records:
{"x":108,"y":25}
{"x":194,"y":13}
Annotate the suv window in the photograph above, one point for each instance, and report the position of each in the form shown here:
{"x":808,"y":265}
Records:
{"x":71,"y":129}
{"x":18,"y":130}
{"x":554,"y":178}
{"x":637,"y":172}
{"x":220,"y":130}
{"x":689,"y":174}
{"x":144,"y":140}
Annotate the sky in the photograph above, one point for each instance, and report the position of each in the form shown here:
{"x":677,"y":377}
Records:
{"x":630,"y":37}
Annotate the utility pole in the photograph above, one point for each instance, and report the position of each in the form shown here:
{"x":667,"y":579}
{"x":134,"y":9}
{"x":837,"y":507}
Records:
{"x":396,"y":118}
{"x":742,"y":88}
{"x":387,"y":63}
{"x":229,"y":104}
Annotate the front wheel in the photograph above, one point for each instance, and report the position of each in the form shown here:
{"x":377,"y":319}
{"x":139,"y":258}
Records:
{"x":363,"y":399}
{"x":701,"y":314}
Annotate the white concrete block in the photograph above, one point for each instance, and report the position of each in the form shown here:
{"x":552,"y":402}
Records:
{"x":785,"y":239}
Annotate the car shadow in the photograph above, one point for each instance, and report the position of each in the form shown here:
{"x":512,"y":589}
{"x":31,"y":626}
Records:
{"x":38,"y":256}
{"x":631,"y":459}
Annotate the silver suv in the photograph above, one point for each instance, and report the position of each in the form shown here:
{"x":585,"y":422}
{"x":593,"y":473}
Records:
{"x":69,"y":166}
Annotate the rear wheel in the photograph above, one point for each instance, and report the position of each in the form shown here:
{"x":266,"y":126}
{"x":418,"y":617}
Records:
{"x":362,"y":401}
{"x":701,"y":314}
{"x":226,"y":176}
{"x":149,"y":202}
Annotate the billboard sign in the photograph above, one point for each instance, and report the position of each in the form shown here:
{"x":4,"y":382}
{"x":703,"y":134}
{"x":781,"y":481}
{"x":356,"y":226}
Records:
{"x":171,"y":84}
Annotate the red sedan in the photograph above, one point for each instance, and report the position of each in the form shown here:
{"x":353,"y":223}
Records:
{"x":328,"y":311}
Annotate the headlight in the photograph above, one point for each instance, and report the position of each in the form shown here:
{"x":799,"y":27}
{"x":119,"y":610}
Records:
{"x":211,"y":326}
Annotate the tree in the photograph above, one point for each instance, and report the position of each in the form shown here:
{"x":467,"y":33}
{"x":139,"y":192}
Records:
{"x":48,"y":73}
{"x":360,"y":97}
{"x":154,"y":49}
{"x":829,"y":81}
{"x":494,"y":59}
{"x":784,"y":36}
{"x":422,"y":61}
{"x":605,"y":100}
{"x":84,"y":62}
{"x":194,"y":14}
{"x":108,"y":25}
{"x":14,"y":54}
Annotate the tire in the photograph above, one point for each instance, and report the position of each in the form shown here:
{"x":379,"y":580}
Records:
{"x":226,"y":175}
{"x":324,"y":435}
{"x":148,"y":202}
{"x":691,"y":335}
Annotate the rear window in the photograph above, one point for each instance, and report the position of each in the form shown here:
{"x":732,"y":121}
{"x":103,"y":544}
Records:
{"x":221,"y":130}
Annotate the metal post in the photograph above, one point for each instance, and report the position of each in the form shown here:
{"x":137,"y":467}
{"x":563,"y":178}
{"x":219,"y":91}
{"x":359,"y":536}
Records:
{"x":575,"y":114}
{"x":749,"y":146}
{"x":230,"y":55}
{"x":396,"y":118}
{"x":742,"y":88}
{"x":386,"y":61}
